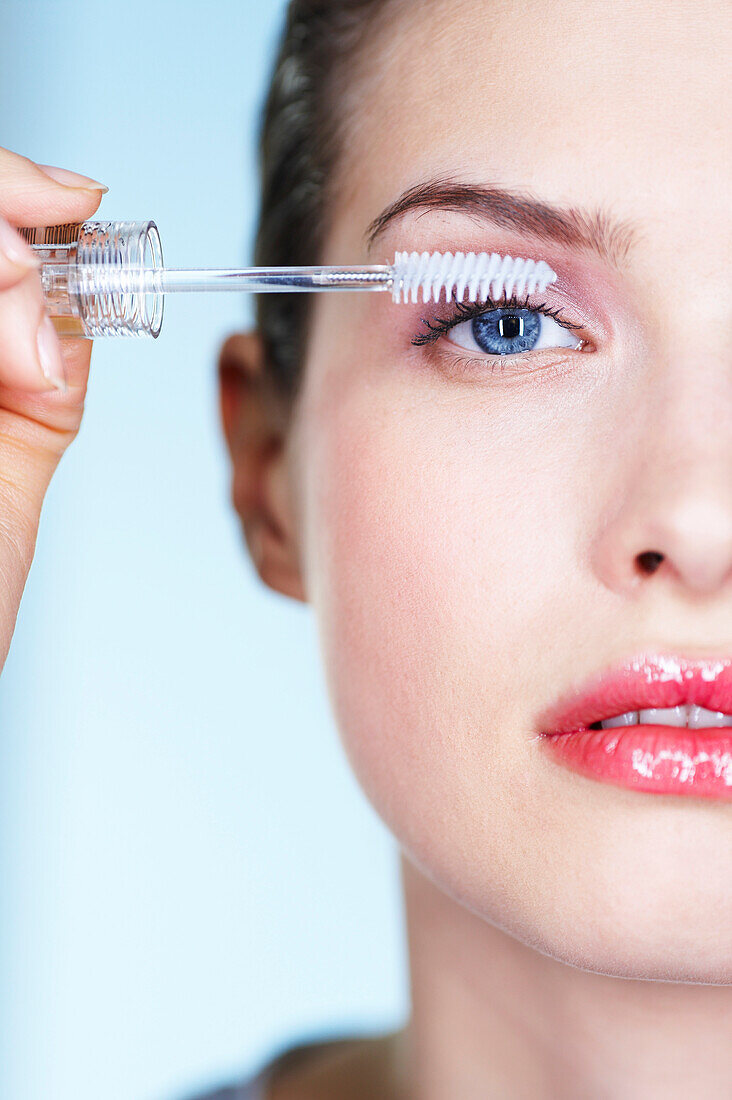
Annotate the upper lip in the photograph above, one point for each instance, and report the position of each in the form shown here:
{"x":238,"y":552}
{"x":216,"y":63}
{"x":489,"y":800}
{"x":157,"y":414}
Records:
{"x":643,"y":682}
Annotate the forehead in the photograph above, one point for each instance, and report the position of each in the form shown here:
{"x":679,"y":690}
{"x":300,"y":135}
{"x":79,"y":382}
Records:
{"x":577,"y":100}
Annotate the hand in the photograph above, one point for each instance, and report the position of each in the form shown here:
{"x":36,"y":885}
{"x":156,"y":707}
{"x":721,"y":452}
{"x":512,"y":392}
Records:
{"x":42,"y":379}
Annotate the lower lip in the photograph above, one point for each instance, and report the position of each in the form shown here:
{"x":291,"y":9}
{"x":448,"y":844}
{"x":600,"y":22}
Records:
{"x":657,"y":759}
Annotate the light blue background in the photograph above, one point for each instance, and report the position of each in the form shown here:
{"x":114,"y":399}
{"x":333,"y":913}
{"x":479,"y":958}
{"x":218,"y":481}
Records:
{"x":190,"y":875}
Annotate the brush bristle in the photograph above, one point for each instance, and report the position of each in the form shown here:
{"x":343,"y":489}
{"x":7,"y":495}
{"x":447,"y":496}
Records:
{"x":472,"y":276}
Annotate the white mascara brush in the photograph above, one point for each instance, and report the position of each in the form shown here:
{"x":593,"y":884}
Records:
{"x":108,"y":278}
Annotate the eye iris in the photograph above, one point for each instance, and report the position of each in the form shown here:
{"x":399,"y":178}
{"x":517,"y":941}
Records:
{"x":507,"y":331}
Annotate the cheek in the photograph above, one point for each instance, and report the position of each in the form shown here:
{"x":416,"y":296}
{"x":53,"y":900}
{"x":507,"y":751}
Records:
{"x":425,"y":516}
{"x":444,"y":533}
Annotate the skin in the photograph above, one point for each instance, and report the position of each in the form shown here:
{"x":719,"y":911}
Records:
{"x":469,"y":541}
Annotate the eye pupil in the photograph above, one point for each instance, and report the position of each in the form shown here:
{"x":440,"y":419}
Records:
{"x":507,"y":331}
{"x":511,"y":326}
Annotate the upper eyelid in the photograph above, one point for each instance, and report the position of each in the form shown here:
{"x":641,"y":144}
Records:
{"x":476,"y":309}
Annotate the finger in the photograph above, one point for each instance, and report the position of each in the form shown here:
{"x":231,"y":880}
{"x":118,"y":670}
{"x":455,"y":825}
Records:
{"x":30,"y":353}
{"x":16,"y":257}
{"x":59,"y":412}
{"x":72,"y":179}
{"x":30,"y":196}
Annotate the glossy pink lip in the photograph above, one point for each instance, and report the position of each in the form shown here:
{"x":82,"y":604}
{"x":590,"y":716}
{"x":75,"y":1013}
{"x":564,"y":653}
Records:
{"x":661,"y":758}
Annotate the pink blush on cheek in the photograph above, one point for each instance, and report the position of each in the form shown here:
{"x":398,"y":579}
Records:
{"x":379,"y":555}
{"x":398,"y":557}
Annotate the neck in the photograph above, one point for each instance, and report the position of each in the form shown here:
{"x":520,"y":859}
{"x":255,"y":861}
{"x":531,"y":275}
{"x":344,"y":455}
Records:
{"x":493,"y":1017}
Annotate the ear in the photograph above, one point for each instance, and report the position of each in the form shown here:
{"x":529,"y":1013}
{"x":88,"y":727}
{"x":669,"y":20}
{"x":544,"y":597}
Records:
{"x":255,"y":428}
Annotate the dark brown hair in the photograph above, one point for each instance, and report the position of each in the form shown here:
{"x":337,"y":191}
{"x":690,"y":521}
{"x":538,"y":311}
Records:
{"x":299,"y":147}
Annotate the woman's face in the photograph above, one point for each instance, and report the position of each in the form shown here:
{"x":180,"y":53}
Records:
{"x":469,"y":528}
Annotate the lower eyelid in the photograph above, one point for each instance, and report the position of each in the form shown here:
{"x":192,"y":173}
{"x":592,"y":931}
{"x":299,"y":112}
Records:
{"x":532,"y":352}
{"x":542,"y":366}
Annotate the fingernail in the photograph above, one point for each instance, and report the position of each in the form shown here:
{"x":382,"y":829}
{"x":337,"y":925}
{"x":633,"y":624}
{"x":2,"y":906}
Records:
{"x":14,"y":247}
{"x":49,"y":355}
{"x":72,"y":179}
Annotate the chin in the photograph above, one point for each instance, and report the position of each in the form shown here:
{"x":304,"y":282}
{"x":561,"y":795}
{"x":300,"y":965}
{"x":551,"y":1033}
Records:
{"x":667,"y":921}
{"x":677,"y":959}
{"x":638,"y":931}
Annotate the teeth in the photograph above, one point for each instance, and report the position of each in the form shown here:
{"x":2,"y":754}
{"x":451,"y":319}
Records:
{"x":693,"y":716}
{"x":660,"y":716}
{"x":628,"y":719}
{"x":699,"y":716}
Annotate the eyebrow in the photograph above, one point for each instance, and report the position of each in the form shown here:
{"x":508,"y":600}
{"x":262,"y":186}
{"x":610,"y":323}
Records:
{"x":591,"y":230}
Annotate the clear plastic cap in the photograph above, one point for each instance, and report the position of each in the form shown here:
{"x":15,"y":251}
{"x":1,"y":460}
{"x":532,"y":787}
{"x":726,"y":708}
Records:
{"x":86,"y":269}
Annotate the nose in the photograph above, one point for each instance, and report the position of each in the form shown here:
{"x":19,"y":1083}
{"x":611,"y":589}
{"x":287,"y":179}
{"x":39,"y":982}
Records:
{"x":668,"y":518}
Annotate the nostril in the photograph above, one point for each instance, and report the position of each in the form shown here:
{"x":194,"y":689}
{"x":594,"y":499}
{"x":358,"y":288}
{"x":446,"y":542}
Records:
{"x":649,"y":561}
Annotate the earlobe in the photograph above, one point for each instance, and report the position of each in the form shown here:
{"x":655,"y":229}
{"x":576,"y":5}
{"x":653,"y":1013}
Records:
{"x":255,"y":433}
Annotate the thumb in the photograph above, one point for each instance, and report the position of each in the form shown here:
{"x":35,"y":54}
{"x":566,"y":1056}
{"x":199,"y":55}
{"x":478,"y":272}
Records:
{"x":72,"y":179}
{"x":32,"y":194}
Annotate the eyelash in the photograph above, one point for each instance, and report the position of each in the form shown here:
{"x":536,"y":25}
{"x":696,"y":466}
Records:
{"x":463,"y":311}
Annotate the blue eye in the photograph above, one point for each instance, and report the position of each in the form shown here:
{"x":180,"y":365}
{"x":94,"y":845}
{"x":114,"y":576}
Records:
{"x":506,"y":331}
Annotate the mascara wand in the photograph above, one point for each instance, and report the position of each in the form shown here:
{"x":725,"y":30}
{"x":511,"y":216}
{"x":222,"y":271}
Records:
{"x":108,"y":278}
